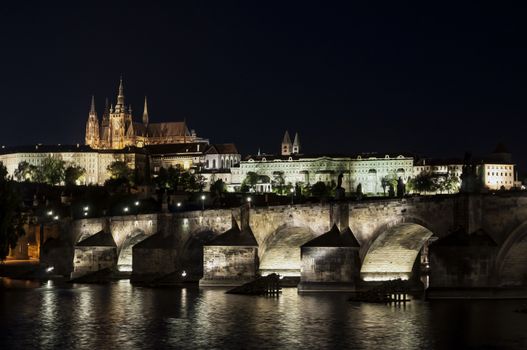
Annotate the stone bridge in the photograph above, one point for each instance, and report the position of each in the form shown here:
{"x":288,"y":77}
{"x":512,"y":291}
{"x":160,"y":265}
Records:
{"x":391,"y":233}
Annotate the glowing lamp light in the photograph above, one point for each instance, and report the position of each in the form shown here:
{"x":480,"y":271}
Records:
{"x":85,"y":214}
{"x":292,"y":190}
{"x":49,"y":269}
{"x":50,"y":213}
{"x":178,"y":204}
{"x":125,"y":209}
{"x":249,"y":199}
{"x":86,"y":208}
{"x":184,"y":273}
{"x":136,"y":203}
{"x":203,"y":197}
{"x":56,"y":217}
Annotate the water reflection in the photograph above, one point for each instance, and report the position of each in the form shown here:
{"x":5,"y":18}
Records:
{"x":120,"y":316}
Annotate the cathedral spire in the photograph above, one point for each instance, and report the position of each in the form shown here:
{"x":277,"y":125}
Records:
{"x":296,"y":144}
{"x":120,"y":97}
{"x":145,"y":113}
{"x":286,"y":144}
{"x":106,"y":107}
{"x":92,"y":107}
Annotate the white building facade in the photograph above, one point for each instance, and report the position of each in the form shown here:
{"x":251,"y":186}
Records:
{"x":366,"y":170}
{"x":94,"y":162}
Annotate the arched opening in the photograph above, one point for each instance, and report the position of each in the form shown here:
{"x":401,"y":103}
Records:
{"x":124,"y":261}
{"x":281,"y":251}
{"x":192,"y":255}
{"x":394,"y":252}
{"x":511,"y":261}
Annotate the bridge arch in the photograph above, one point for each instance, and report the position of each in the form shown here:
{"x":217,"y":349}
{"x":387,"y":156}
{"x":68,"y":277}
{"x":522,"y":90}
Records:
{"x":280,"y":252}
{"x":124,"y":260}
{"x":392,"y":251}
{"x":511,"y":260}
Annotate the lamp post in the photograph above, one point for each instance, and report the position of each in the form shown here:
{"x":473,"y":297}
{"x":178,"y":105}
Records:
{"x":249,"y":200}
{"x":292,"y":190}
{"x":202,"y":202}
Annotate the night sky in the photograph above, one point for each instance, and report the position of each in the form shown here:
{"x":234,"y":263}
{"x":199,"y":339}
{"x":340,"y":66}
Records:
{"x":436,"y":80}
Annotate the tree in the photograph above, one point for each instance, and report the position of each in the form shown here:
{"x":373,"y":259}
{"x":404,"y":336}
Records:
{"x":11,"y":221}
{"x":161,"y":180}
{"x":423,"y":182}
{"x":25,"y":171}
{"x":250,"y":181}
{"x":388,"y":180}
{"x":120,"y":170}
{"x":452,"y":183}
{"x":120,"y":177}
{"x":278,"y":183}
{"x":320,"y":190}
{"x":51,"y":171}
{"x":217,"y":189}
{"x":72,"y":174}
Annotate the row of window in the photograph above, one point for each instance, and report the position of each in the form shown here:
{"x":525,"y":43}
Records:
{"x":493,"y":173}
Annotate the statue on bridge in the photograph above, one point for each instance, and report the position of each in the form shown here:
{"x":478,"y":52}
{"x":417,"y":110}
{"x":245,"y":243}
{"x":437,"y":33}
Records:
{"x":401,"y":188}
{"x":340,"y":192}
{"x":470,"y":182}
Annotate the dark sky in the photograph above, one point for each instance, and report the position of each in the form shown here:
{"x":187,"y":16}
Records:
{"x":432,"y":79}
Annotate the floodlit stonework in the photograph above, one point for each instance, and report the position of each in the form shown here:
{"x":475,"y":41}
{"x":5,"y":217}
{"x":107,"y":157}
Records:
{"x":118,"y":128}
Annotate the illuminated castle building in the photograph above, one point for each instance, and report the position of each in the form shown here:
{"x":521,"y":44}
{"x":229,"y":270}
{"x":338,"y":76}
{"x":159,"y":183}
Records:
{"x":118,"y":128}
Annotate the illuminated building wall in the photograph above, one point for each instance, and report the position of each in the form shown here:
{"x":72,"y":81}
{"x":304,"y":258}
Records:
{"x":367,"y":170}
{"x":497,"y":175}
{"x":95,"y":162}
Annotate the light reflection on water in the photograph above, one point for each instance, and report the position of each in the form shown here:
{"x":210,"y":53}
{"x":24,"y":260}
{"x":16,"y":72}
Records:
{"x":120,"y":316}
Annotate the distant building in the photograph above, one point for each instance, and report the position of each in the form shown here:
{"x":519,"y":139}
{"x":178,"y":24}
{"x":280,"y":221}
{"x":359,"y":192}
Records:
{"x":496,"y":171}
{"x":292,"y":167}
{"x":95,"y":162}
{"x":118,"y":128}
{"x":199,"y":156}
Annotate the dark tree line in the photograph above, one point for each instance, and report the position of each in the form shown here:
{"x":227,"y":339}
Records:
{"x":11,"y":219}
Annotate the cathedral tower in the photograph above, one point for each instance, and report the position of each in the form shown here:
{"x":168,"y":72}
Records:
{"x":287,"y":146}
{"x":296,"y":144}
{"x":104,"y":134}
{"x":120,"y":120}
{"x":92,"y":127}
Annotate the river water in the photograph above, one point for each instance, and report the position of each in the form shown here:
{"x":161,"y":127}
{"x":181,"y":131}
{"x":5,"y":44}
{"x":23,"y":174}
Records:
{"x":54,"y":315}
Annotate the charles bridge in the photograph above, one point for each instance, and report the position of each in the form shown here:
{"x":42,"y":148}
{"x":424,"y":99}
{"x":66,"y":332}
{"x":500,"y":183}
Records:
{"x":466,"y":241}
